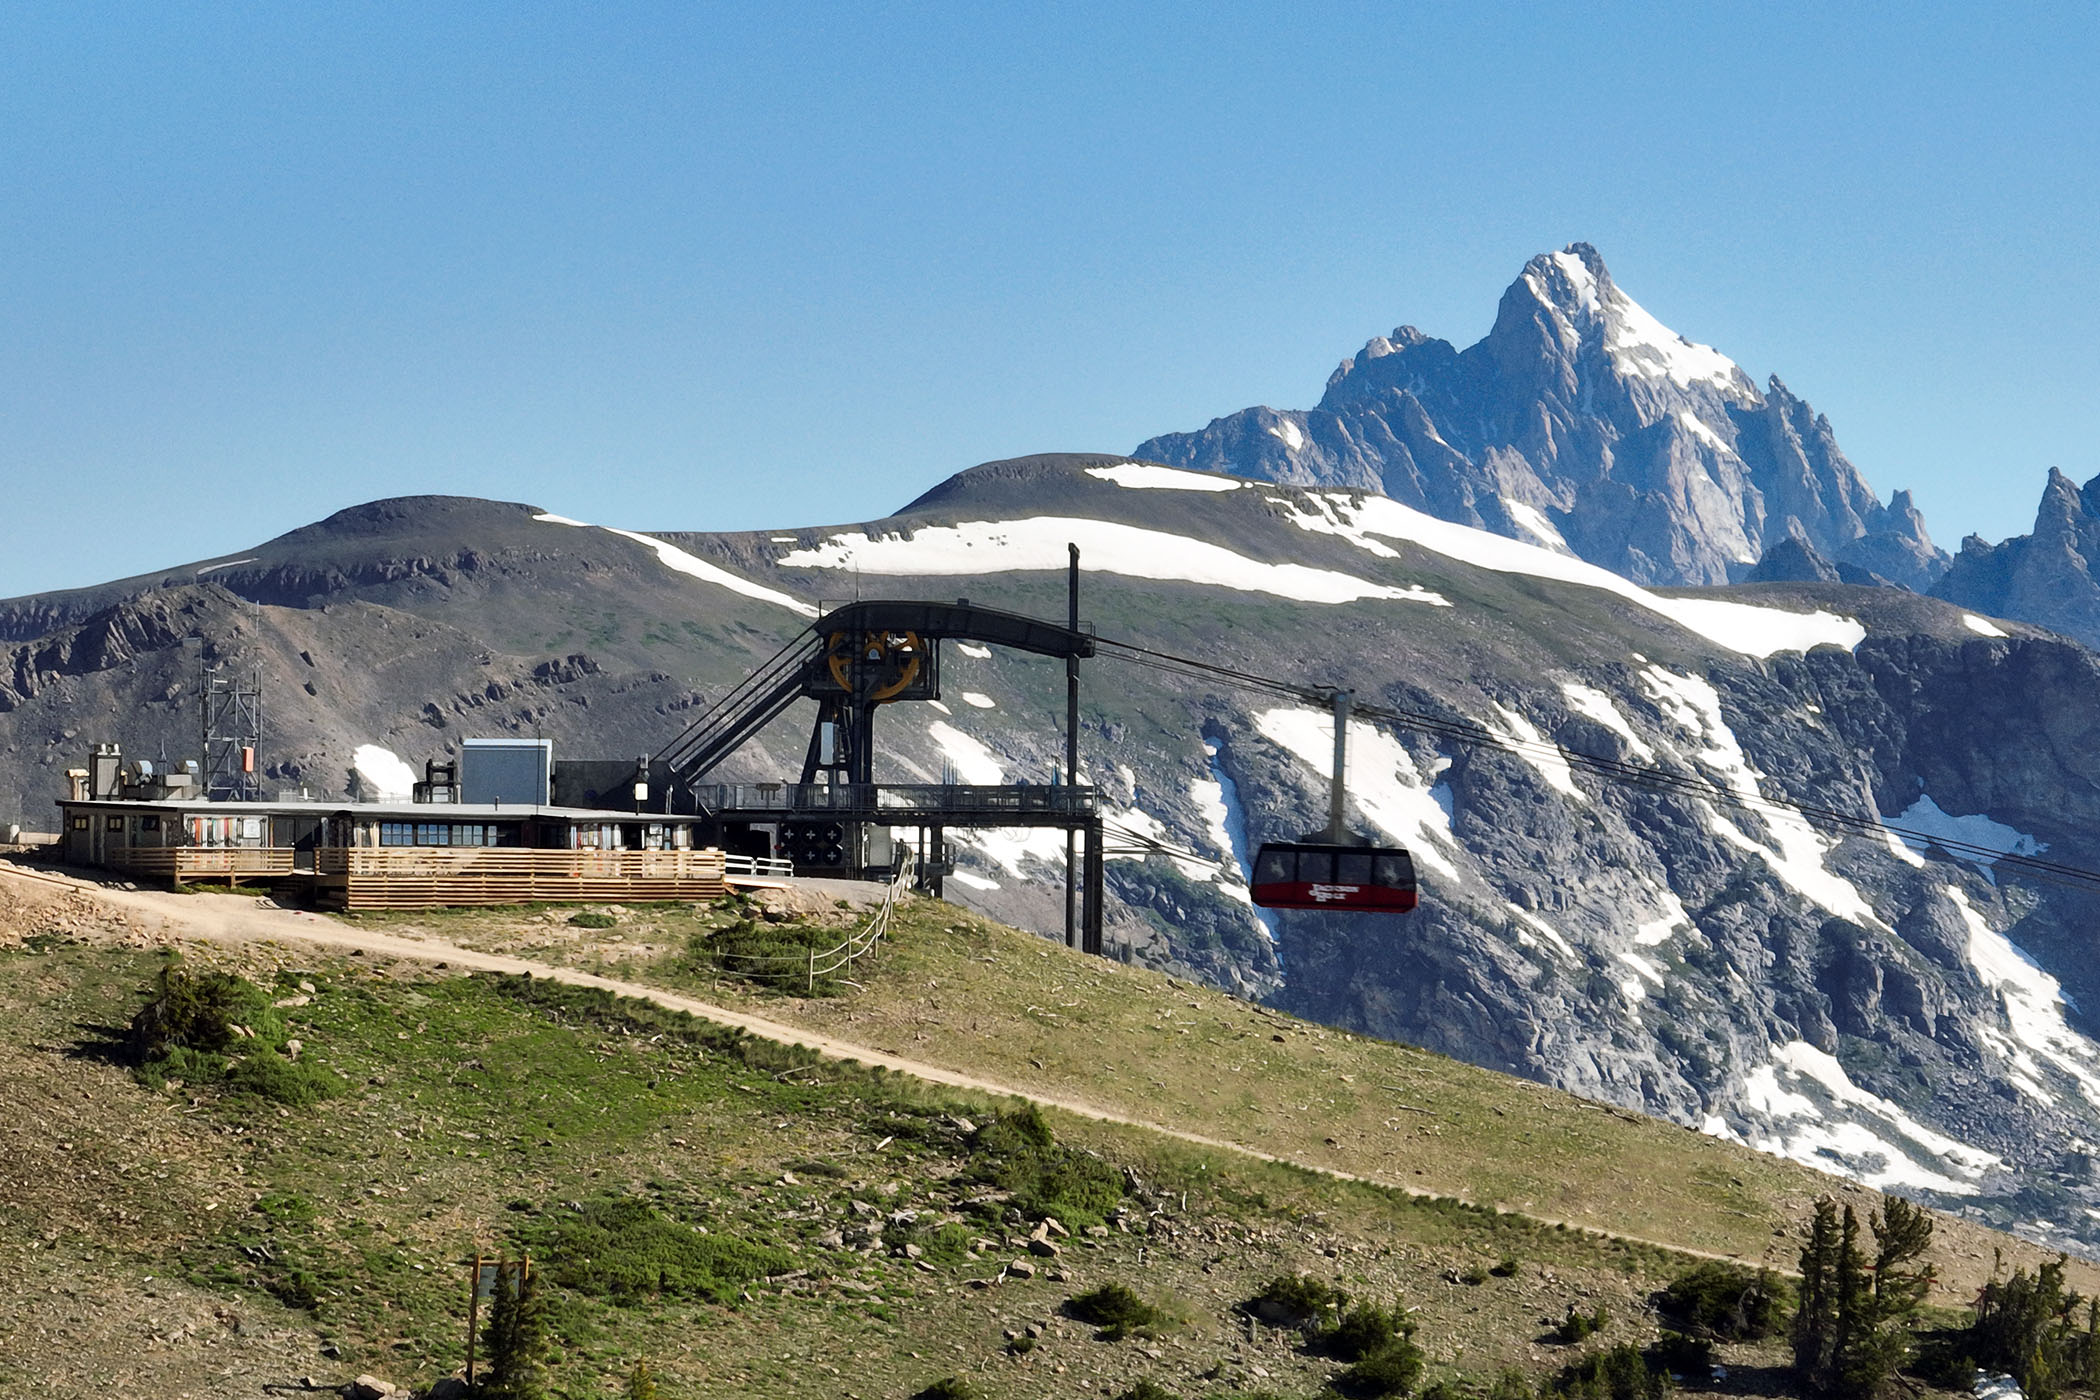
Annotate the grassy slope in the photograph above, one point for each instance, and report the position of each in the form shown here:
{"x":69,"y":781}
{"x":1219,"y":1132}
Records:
{"x":479,"y":1109}
{"x":967,"y":994}
{"x":151,"y":1241}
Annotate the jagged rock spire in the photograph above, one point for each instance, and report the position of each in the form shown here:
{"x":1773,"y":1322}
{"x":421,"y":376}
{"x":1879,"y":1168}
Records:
{"x":1581,"y":412}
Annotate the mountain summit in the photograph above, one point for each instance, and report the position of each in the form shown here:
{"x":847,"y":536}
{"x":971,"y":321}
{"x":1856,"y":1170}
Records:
{"x":1582,"y":423}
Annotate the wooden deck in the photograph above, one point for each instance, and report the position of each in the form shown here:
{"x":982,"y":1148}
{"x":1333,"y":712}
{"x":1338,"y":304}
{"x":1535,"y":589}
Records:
{"x":422,"y":877}
{"x":179,"y":864}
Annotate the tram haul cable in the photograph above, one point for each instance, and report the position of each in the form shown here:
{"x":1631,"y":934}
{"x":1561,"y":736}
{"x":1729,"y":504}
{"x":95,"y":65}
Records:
{"x":1475,"y":735}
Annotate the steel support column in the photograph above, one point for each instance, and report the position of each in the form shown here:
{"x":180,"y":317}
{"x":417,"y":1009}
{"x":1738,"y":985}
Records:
{"x":1093,"y":935}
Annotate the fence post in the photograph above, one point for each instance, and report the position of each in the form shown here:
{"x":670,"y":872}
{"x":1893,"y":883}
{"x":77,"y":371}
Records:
{"x":812,"y":972}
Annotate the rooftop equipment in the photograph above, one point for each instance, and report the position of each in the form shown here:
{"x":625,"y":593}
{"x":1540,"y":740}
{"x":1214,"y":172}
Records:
{"x":517,"y":771}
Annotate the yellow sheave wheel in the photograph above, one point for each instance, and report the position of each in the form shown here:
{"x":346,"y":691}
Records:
{"x":893,"y":659}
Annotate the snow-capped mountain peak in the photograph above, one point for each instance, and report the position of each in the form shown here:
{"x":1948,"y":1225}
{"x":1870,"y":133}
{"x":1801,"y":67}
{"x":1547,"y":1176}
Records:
{"x":1648,"y":453}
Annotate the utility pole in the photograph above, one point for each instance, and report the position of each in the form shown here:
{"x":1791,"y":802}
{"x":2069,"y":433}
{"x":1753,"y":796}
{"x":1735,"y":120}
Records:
{"x":1072,"y":749}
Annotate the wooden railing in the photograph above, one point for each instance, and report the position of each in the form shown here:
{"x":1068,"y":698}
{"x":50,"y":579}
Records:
{"x":420,"y":877}
{"x":179,"y":863}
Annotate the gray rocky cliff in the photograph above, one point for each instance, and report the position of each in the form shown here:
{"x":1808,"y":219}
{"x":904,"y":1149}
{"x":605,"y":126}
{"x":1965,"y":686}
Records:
{"x":2047,"y":577}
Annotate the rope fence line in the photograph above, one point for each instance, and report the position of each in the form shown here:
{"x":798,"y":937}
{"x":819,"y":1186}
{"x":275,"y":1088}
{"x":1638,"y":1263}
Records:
{"x":825,"y":961}
{"x":862,"y":943}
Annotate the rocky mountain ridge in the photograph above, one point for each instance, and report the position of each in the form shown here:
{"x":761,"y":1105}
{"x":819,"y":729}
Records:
{"x":1873,"y":1007}
{"x":1580,"y":422}
{"x":2046,"y":577}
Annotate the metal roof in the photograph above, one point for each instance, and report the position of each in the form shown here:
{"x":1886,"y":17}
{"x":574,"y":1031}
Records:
{"x":418,"y":811}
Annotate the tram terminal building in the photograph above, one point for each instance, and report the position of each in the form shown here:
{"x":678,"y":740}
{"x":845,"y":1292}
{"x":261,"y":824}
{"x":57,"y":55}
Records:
{"x":438,"y":848}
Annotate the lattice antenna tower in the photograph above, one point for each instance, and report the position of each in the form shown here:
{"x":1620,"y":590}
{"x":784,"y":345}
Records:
{"x":232,"y":730}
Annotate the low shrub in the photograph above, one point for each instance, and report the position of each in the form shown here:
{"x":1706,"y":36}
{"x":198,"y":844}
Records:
{"x":775,"y":956}
{"x":216,"y":1028}
{"x":200,"y":1011}
{"x":1726,"y":1301}
{"x":1017,"y":1153}
{"x":280,"y":1080}
{"x":1364,"y":1331}
{"x":1505,"y":1267}
{"x":1511,"y":1384}
{"x":1391,"y":1372}
{"x":1689,"y":1359}
{"x":182,"y":1065}
{"x":591,"y":918}
{"x":949,"y":1388}
{"x":1944,"y":1360}
{"x":1147,"y":1390}
{"x":627,"y":1250}
{"x":1116,"y":1310}
{"x":1621,"y":1373}
{"x":1576,"y":1327}
{"x":1447,"y":1388}
{"x":1296,"y":1300}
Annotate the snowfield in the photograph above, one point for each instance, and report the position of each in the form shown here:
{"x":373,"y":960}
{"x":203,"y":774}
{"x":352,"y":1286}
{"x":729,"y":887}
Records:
{"x":1383,"y":781}
{"x":1145,"y":476}
{"x":692,"y":566}
{"x":382,"y":775}
{"x":1741,"y":627}
{"x":1800,"y":1130}
{"x":1037,"y":544}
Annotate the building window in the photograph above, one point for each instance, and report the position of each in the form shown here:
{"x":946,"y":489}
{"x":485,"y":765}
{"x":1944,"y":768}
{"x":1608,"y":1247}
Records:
{"x":149,"y":823}
{"x":114,"y":824}
{"x":397,"y":834}
{"x":80,"y":823}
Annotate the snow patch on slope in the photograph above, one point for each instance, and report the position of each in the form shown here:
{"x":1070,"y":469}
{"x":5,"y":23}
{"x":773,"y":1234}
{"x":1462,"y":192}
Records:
{"x":1595,"y":704}
{"x":382,"y":775}
{"x":1697,"y":427}
{"x":1533,"y":522}
{"x":1797,"y":849}
{"x":1535,"y":750}
{"x":1145,"y":476}
{"x":1226,"y":821}
{"x":1638,"y":343}
{"x":1037,"y":543}
{"x":1982,"y":627}
{"x":1800,"y":1130}
{"x":693,"y":567}
{"x":1742,"y":627}
{"x":1384,"y":782}
{"x":2034,"y":1006}
{"x":1924,"y":815}
{"x":972,"y":761}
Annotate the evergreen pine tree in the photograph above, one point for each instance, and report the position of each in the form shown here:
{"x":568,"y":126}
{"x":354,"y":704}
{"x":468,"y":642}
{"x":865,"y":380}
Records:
{"x":1815,"y":1321}
{"x":516,"y":1337}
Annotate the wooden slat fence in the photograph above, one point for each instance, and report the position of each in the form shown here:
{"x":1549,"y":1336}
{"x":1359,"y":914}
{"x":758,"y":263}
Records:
{"x":423,"y":877}
{"x":179,"y":863}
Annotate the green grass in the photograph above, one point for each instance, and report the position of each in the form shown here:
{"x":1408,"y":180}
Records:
{"x":958,"y":991}
{"x":718,"y":1206}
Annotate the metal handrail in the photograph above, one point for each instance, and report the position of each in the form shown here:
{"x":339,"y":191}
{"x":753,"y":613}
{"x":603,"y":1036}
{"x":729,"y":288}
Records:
{"x":758,"y":867}
{"x":853,"y":799}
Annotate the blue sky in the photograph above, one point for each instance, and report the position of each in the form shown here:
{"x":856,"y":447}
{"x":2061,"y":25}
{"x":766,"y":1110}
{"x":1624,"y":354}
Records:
{"x":688,"y":267}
